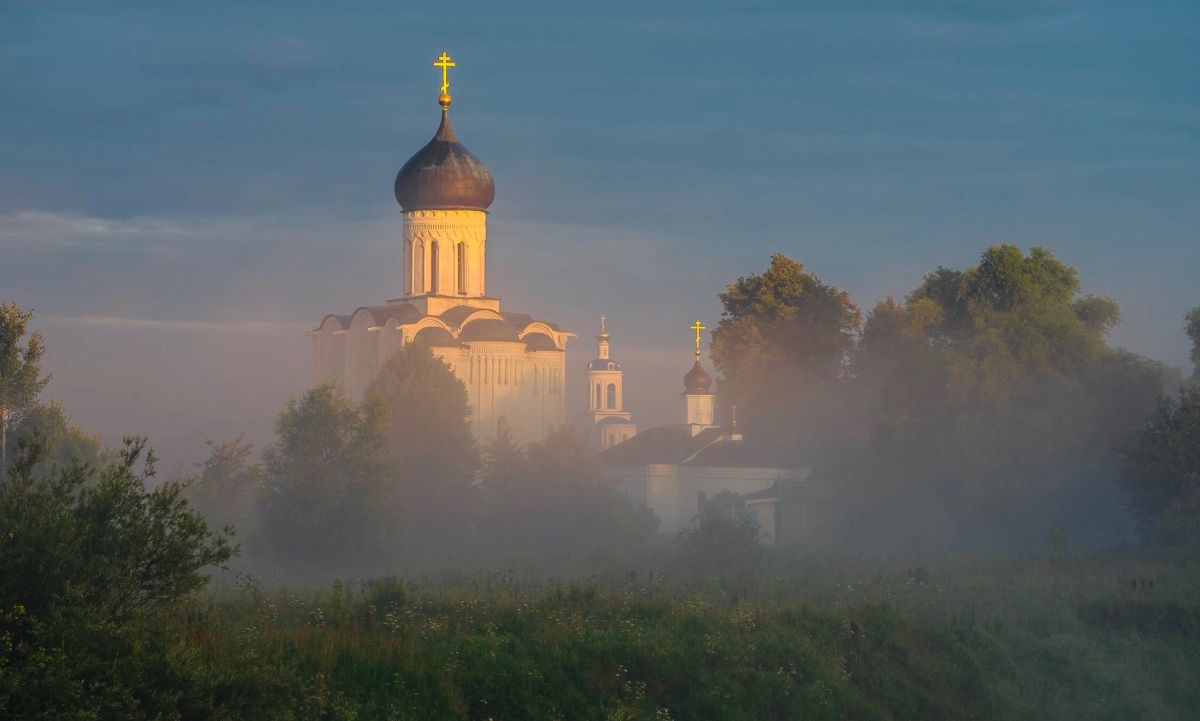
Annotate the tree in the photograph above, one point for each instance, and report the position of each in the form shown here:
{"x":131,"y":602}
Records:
{"x":328,"y":497}
{"x":100,"y":541}
{"x":60,"y":441}
{"x":551,"y":498}
{"x":1162,"y":472}
{"x":781,"y":349}
{"x":1191,"y":323}
{"x":723,"y":546}
{"x":21,"y":380}
{"x":991,"y":394}
{"x":429,"y":443}
{"x":89,"y":559}
{"x":228,"y":484}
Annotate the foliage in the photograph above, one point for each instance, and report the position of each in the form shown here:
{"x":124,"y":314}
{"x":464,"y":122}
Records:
{"x":103,"y":541}
{"x":783,"y":329}
{"x":88,"y":560}
{"x":327,"y":495}
{"x":21,"y":379}
{"x":551,"y":498}
{"x":723,"y":547}
{"x":1191,"y":324}
{"x":838,"y":638}
{"x":61,"y":441}
{"x":429,"y":443}
{"x":228,"y":484}
{"x":991,"y":403}
{"x":1162,"y":474}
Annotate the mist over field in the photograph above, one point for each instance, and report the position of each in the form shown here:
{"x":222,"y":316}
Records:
{"x":753,"y":362}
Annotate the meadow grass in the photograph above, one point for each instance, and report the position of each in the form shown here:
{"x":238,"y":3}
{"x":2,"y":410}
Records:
{"x":813,"y":638}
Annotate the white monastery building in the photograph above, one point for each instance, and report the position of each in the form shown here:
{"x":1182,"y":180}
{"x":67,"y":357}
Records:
{"x":512,"y":364}
{"x":674,"y":470}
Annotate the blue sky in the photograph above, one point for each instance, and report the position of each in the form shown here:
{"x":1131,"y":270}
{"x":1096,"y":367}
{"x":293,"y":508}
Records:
{"x":185,"y":188}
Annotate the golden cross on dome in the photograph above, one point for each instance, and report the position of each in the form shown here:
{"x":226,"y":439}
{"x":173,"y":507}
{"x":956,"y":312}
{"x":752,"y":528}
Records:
{"x":445,"y":62}
{"x":602,"y":319}
{"x":698,"y":326}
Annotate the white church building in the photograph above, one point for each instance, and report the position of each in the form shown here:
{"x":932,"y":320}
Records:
{"x":673,"y":470}
{"x":513,"y":365}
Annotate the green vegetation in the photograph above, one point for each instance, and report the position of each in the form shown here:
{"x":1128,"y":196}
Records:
{"x":328,"y":497}
{"x":1162,"y":479}
{"x":21,"y":379}
{"x":90,"y":560}
{"x":827,"y":639}
{"x":986,"y":392}
{"x":981,"y":411}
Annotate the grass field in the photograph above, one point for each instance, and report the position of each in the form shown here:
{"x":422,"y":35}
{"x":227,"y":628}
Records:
{"x":811,"y":639}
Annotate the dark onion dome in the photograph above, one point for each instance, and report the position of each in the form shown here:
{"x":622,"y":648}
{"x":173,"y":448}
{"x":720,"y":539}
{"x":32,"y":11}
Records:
{"x":604,"y":364}
{"x":444,"y":175}
{"x":697,"y":381}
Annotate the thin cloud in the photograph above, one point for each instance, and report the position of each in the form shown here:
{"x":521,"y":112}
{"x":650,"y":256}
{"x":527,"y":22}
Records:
{"x":189,"y":326}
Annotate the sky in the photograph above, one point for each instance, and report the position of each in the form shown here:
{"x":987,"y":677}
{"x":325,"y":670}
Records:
{"x":186,"y":188}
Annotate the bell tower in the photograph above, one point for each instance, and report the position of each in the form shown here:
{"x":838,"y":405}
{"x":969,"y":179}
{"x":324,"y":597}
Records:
{"x":608,"y":423}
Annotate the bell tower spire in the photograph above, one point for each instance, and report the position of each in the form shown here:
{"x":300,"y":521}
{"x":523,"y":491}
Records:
{"x":606,"y":421}
{"x":602,"y":340}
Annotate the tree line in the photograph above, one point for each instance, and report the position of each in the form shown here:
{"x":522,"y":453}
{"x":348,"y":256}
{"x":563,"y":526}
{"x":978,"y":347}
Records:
{"x":982,"y":409}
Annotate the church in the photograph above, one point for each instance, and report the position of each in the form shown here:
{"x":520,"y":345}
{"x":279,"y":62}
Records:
{"x":513,"y":365}
{"x":676,"y":470}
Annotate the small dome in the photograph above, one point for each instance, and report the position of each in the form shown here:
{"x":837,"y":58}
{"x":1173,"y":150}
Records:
{"x":697,"y":381}
{"x":444,"y":175}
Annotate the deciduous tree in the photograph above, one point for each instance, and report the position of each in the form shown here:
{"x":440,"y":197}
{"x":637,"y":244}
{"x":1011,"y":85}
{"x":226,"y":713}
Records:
{"x":328,"y":496}
{"x":781,"y":349}
{"x":429,"y":443}
{"x":1162,"y":473}
{"x":21,"y":379}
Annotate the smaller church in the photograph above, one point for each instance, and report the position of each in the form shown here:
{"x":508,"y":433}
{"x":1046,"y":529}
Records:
{"x":675,"y":470}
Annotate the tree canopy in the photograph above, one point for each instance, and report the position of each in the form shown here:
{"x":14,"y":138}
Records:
{"x":60,"y":441}
{"x":21,"y":379}
{"x":1162,"y":472}
{"x":783,"y":330}
{"x":982,"y":405}
{"x":328,"y":497}
{"x":1191,"y":324}
{"x":551,"y":498}
{"x":430,"y":444}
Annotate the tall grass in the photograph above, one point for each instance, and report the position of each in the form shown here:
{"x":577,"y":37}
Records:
{"x":814,"y":638}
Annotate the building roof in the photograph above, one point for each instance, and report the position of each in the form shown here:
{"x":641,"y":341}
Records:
{"x":675,"y":445}
{"x":444,"y":175}
{"x":460,"y":324}
{"x":604,"y":364}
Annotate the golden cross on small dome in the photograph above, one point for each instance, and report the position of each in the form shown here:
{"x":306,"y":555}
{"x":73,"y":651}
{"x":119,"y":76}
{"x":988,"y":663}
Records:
{"x":445,"y":62}
{"x":698,"y":326}
{"x":602,"y":319}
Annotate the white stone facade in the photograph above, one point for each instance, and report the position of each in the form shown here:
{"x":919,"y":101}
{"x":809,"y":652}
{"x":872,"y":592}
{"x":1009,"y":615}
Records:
{"x":512,"y":365}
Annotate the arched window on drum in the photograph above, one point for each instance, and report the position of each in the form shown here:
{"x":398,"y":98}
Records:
{"x":461,"y":268}
{"x":433,"y":267}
